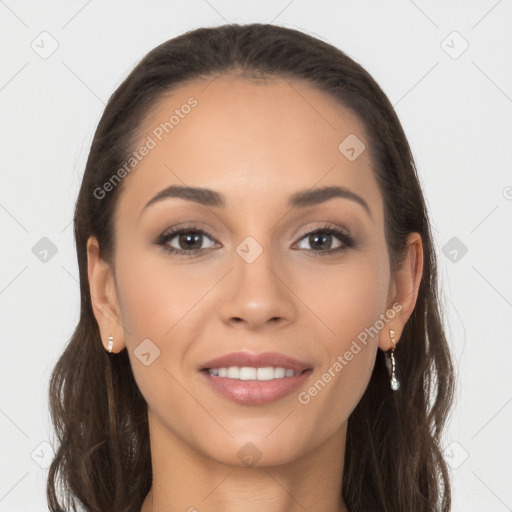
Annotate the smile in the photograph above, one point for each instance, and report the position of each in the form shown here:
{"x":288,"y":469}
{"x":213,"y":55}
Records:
{"x":250,"y":373}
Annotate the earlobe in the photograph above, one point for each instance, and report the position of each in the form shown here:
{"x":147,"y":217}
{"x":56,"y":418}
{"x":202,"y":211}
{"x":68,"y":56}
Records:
{"x":104,"y":298}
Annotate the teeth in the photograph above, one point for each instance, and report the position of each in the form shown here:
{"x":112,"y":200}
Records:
{"x":265,"y":373}
{"x":279,"y":373}
{"x":247,"y":373}
{"x":250,"y":373}
{"x":233,"y":372}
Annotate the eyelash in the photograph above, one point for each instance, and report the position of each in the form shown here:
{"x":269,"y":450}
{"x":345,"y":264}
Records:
{"x":164,"y":238}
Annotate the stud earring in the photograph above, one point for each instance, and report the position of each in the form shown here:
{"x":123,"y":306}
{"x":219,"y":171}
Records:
{"x":110,"y":343}
{"x":394,"y":382}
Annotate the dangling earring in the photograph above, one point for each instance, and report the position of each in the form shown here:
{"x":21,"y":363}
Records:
{"x":110,"y":343}
{"x":394,"y":382}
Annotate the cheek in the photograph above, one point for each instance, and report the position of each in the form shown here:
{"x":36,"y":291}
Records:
{"x":346,"y":299}
{"x":350,"y":303}
{"x":166,"y":304}
{"x":157,"y":298}
{"x":159,"y":303}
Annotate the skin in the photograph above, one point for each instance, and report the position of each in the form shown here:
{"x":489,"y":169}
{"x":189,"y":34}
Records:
{"x":257,"y":143}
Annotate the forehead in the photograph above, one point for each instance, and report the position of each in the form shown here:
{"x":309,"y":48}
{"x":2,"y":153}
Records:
{"x":253,"y":140}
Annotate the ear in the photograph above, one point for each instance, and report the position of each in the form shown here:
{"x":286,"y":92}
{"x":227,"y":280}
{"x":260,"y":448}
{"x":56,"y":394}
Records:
{"x":403,"y":291}
{"x":104,"y":300}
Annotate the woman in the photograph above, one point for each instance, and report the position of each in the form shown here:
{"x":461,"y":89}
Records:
{"x":260,"y":326}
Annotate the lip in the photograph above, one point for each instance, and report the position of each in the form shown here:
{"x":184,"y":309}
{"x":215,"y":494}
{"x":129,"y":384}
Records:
{"x":256,"y":392}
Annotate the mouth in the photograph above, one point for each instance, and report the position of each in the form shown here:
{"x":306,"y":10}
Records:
{"x":255,"y":379}
{"x":253,"y":373}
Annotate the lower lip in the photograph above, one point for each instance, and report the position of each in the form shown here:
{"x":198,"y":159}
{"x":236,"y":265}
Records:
{"x":256,"y":392}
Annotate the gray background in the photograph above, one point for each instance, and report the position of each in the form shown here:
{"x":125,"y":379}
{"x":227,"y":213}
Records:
{"x":61,"y":62}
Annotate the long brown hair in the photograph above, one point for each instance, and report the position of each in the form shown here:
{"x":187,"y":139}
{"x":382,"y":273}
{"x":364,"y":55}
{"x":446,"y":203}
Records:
{"x":393,"y":460}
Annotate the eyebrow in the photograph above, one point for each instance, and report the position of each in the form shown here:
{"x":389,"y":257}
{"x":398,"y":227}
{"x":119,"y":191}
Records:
{"x":300,"y":199}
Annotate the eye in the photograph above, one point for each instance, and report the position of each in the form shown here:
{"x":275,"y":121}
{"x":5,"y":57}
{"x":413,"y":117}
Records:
{"x":322,"y":238}
{"x":189,"y":237}
{"x":189,"y":240}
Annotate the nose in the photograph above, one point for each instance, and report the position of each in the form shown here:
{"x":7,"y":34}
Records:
{"x":258,"y":296}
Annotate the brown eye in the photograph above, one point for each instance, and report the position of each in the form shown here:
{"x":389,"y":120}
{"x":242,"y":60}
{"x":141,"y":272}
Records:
{"x":321,"y":241}
{"x":189,"y":240}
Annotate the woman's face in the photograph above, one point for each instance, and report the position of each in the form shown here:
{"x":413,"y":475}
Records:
{"x":257,"y":282}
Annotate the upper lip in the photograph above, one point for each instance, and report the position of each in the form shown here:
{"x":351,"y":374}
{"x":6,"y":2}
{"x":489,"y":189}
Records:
{"x":262,"y":360}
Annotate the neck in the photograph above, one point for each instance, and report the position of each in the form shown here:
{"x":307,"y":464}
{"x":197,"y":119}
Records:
{"x":184,"y":479}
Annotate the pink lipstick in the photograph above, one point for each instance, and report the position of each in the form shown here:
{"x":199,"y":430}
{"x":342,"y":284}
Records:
{"x":255,"y":379}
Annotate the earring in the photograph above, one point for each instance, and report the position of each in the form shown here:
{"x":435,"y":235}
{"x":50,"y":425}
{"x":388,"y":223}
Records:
{"x":110,"y":343}
{"x":394,"y":382}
